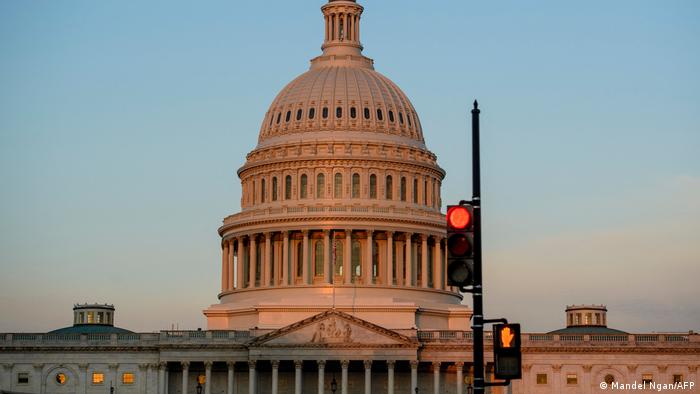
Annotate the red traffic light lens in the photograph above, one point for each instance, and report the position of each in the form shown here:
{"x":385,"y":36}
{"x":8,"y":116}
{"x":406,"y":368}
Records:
{"x":458,"y":217}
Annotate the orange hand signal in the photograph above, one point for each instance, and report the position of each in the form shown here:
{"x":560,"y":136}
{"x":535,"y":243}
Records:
{"x":507,"y":337}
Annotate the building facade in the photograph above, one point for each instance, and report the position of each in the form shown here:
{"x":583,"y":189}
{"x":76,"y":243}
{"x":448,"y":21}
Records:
{"x":333,"y":273}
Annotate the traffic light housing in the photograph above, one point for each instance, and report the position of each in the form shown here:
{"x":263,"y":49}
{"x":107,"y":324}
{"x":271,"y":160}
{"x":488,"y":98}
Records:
{"x":460,"y":245}
{"x":506,"y":351}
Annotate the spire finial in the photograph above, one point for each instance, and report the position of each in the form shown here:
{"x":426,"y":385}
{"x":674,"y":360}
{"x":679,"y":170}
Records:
{"x":476,"y":104}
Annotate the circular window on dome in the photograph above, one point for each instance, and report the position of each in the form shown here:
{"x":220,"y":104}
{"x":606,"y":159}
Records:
{"x":353,"y":112}
{"x":609,"y":379}
{"x":400,"y":117}
{"x":339,"y":112}
{"x":61,"y":378}
{"x":279,"y":115}
{"x":391,"y":116}
{"x":288,"y":116}
{"x":380,"y":116}
{"x":366,"y":113}
{"x":324,"y":112}
{"x":312,"y":113}
{"x":299,"y":114}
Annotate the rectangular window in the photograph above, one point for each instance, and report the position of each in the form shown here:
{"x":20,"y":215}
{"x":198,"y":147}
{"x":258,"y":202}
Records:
{"x":91,"y":317}
{"x":647,"y":378}
{"x":571,"y":378}
{"x":127,"y":378}
{"x":98,"y":378}
{"x":541,"y":378}
{"x":23,"y":378}
{"x":100,"y":317}
{"x":677,"y":378}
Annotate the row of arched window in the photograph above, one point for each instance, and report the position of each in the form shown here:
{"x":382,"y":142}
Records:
{"x":325,"y":112}
{"x":337,"y":192}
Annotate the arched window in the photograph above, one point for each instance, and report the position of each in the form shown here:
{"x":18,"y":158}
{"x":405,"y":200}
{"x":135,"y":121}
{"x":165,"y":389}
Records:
{"x":339,"y":112}
{"x":338,"y":186}
{"x":258,"y":262}
{"x":391,"y":116}
{"x":415,"y":191}
{"x":320,"y":186}
{"x":389,"y":192}
{"x":300,"y":260}
{"x":303,"y":188}
{"x":288,"y":187}
{"x":288,"y":116}
{"x":353,"y":112}
{"x":403,"y":188}
{"x":262,"y":190}
{"x":400,"y":117}
{"x":375,"y":261}
{"x":299,"y":114}
{"x":274,"y":188}
{"x":380,"y":117}
{"x":425,"y":192}
{"x":408,"y":117}
{"x":372,"y":186}
{"x":356,"y":259}
{"x":279,"y":114}
{"x":318,"y":258}
{"x":355,"y":185}
{"x":337,"y":256}
{"x":312,"y":113}
{"x":324,"y":112}
{"x":272,"y":117}
{"x":366,"y":113}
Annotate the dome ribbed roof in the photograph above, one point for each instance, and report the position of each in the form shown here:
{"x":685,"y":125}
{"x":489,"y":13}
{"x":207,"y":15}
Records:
{"x":365,"y":100}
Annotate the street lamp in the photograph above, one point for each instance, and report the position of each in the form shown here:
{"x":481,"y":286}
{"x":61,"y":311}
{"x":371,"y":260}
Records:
{"x":199,"y":388}
{"x":470,"y":389}
{"x":334,"y":385}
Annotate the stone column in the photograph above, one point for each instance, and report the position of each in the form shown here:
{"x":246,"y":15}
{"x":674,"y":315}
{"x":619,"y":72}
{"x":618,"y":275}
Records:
{"x":557,"y":377}
{"x":424,"y":260}
{"x":285,"y":258}
{"x":460,"y":367}
{"x":161,"y":377}
{"x":586,"y":377}
{"x":207,"y":377}
{"x":390,"y":376}
{"x":224,"y":266}
{"x":231,"y":267}
{"x":348,"y":256}
{"x":251,"y":377}
{"x":252,"y":262}
{"x":321,"y":375}
{"x":239,"y":264}
{"x":367,"y":269}
{"x":143,"y":378}
{"x":400,"y":249}
{"x":297,"y":376}
{"x":437,"y":265}
{"x":408,"y":281}
{"x":389,"y":266}
{"x":414,"y":375}
{"x":436,"y":377}
{"x":230,"y":382}
{"x":344,"y":376}
{"x":327,"y":263}
{"x":185,"y":377}
{"x":267,"y":269}
{"x":305,"y":257}
{"x":368,"y":376}
{"x":275,"y":375}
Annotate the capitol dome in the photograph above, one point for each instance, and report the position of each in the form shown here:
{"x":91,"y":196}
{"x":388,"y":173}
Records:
{"x":340,"y":203}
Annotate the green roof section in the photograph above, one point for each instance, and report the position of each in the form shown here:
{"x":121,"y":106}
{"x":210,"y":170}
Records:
{"x":91,"y":329}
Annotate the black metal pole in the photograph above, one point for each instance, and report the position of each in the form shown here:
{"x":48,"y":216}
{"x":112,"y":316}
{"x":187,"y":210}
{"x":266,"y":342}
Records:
{"x":478,"y":317}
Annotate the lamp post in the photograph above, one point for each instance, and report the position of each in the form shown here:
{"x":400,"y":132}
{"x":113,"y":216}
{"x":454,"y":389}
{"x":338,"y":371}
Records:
{"x":199,"y":388}
{"x":334,"y":385}
{"x":111,"y":388}
{"x":470,"y":389}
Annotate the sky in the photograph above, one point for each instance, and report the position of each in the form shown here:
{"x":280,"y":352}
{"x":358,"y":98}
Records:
{"x":122,"y":125}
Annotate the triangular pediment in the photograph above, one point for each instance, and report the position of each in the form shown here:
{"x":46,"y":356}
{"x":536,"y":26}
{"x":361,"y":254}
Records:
{"x":333,"y":329}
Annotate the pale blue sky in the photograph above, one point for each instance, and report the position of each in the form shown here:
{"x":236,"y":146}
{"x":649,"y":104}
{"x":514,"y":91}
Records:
{"x":122,"y":125}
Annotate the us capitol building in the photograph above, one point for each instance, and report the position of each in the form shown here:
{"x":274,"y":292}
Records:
{"x":333,"y":273}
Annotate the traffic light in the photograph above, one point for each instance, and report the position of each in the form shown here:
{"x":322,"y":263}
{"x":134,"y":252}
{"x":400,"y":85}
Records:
{"x":460,"y":245}
{"x":506,"y":351}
